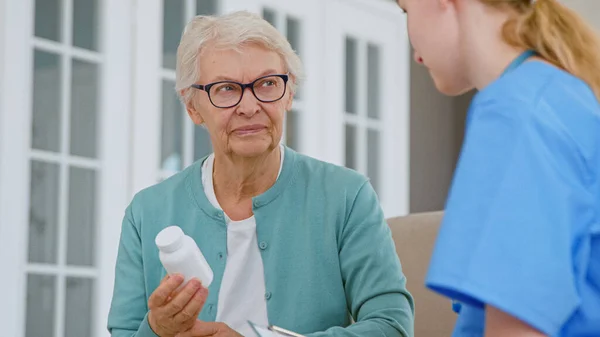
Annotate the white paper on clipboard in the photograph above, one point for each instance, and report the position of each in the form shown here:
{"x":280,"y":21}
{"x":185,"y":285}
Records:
{"x":262,"y":331}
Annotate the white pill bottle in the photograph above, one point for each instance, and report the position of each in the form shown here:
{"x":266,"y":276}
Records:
{"x":179,"y":254}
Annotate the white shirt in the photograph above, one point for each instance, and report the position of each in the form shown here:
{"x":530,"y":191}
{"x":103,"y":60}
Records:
{"x":242,"y":293}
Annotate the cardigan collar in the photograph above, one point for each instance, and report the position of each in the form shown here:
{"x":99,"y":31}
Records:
{"x":196,"y":189}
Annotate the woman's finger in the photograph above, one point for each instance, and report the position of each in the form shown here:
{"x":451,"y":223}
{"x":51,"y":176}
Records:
{"x":193,"y":307}
{"x":179,"y":301}
{"x":161,"y":294}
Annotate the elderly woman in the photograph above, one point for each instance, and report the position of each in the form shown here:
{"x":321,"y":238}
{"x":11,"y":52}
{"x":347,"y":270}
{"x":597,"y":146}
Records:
{"x":292,"y":241}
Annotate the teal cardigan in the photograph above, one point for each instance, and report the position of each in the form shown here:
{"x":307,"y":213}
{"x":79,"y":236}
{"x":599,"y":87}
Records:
{"x":327,"y":251}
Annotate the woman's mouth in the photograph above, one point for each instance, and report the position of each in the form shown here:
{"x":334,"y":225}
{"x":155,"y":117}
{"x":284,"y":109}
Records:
{"x":249,"y":129}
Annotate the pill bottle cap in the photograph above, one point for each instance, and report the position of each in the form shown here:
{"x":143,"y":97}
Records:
{"x":170,"y":239}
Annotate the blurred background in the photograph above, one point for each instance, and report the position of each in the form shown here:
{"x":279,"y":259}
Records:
{"x":88,"y":117}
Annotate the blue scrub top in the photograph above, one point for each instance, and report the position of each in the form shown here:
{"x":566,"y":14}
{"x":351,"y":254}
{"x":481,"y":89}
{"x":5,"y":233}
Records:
{"x":521,"y":230}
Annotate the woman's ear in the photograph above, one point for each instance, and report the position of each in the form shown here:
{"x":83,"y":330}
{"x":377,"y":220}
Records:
{"x":194,"y":115}
{"x":288,"y":105}
{"x":290,"y":100}
{"x":192,"y":110}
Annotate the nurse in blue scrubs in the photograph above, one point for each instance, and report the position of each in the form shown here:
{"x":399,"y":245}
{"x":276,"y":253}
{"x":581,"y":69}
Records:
{"x":519,"y":247}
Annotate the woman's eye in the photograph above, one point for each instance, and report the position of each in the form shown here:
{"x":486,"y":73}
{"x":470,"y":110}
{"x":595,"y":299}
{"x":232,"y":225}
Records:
{"x":268,"y":83}
{"x":225,"y":88}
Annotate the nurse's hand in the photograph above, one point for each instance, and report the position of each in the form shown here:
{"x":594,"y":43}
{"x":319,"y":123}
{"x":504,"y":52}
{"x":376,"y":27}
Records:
{"x":212,"y":329}
{"x":175,"y":310}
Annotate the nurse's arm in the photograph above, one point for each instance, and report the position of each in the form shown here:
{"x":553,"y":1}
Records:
{"x":500,"y":324}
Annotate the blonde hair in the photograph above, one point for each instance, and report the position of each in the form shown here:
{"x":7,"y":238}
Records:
{"x":557,"y":34}
{"x":230,"y":31}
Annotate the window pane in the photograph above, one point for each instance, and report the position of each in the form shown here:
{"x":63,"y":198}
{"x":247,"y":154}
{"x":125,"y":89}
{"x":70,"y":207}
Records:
{"x":78,"y":307}
{"x":373,"y":157}
{"x":206,"y":7}
{"x":270,"y":16}
{"x":84,"y":109}
{"x":86,"y":24}
{"x":351,"y":146}
{"x":172,"y":129}
{"x":82,"y":214}
{"x":48,"y":19}
{"x":291,"y":129}
{"x":373,"y":81}
{"x":173,"y":23}
{"x":41,"y":297}
{"x":45,"y":128}
{"x":293,"y":31}
{"x":43,"y":212}
{"x":202,"y":144}
{"x":351,"y":75}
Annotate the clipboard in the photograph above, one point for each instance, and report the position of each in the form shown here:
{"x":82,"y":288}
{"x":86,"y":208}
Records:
{"x":272,"y":331}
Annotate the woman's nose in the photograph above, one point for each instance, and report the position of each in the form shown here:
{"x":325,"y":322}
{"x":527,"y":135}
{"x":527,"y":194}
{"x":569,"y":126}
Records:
{"x":249,"y":105}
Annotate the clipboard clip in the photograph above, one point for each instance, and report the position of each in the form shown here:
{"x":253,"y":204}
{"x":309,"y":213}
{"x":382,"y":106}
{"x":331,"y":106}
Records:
{"x":283,"y":332}
{"x":272,"y":330}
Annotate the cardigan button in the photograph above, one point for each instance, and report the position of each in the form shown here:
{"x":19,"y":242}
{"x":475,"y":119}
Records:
{"x":256,"y":203}
{"x":268,"y":295}
{"x":263,"y":245}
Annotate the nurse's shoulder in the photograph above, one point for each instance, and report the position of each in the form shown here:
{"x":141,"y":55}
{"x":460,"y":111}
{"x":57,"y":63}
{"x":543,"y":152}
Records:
{"x":548,"y":100}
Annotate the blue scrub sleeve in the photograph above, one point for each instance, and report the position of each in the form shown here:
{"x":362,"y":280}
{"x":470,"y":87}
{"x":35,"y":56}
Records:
{"x":506,"y":236}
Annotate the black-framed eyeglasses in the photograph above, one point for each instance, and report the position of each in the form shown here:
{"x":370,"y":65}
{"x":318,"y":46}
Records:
{"x":227,"y":94}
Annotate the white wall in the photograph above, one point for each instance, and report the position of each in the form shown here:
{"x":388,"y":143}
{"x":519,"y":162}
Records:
{"x":3,"y":4}
{"x":589,"y":9}
{"x":2,"y":33}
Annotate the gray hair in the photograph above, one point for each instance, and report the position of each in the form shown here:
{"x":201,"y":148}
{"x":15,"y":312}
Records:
{"x":230,"y":31}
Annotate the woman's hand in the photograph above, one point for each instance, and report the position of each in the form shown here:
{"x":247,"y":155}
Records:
{"x":173,"y":311}
{"x":209,"y":329}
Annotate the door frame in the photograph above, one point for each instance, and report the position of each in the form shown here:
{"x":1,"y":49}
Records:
{"x":15,"y":134}
{"x":146,"y":110}
{"x":15,"y":118}
{"x":115,"y":149}
{"x":387,"y":28}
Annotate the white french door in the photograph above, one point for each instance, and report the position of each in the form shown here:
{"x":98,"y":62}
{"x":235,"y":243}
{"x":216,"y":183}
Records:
{"x":164,"y":139}
{"x":367,"y":100}
{"x":64,"y":148}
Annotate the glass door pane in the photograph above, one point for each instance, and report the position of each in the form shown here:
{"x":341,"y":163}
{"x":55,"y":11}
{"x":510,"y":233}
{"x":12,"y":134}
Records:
{"x":173,"y":23}
{"x":48,"y":19}
{"x":84,"y":108}
{"x":43,"y":212}
{"x":171,"y":158}
{"x":45,"y":128}
{"x":41,"y":302}
{"x":79,"y":304}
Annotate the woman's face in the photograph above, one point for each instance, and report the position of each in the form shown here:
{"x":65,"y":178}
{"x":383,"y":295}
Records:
{"x":433,"y":29}
{"x":250,"y":128}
